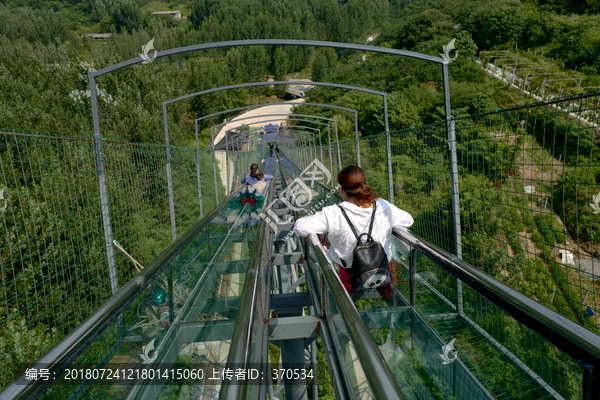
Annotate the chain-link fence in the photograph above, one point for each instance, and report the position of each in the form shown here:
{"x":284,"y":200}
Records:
{"x":528,"y":180}
{"x":528,"y":214}
{"x":529,"y":194}
{"x":54,"y":263}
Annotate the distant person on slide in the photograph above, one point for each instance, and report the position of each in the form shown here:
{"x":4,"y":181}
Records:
{"x":260,"y":187}
{"x":253,"y":177}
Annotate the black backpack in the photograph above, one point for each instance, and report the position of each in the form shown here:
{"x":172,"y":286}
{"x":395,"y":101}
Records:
{"x":370,"y":268}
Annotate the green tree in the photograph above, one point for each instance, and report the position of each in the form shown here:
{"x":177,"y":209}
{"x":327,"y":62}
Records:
{"x":493,"y":25}
{"x":465,"y":44}
{"x":127,"y":16}
{"x":425,"y":26}
{"x":202,"y":9}
{"x":324,"y":65}
{"x":281,"y":64}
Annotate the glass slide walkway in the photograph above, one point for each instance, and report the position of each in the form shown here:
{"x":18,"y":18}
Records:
{"x":239,"y":308}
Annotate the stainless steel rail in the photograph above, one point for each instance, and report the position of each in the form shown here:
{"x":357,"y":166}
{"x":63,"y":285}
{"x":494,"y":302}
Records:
{"x":72,"y":346}
{"x":240,"y":342}
{"x":382,"y":382}
{"x":568,"y":336}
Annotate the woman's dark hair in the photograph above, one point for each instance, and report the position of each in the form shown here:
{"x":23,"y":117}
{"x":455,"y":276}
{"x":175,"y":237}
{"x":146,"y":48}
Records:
{"x":354,"y":182}
{"x":253,"y":169}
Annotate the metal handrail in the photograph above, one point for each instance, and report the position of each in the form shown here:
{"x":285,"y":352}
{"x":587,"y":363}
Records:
{"x":568,"y":336}
{"x":72,"y":346}
{"x":240,"y":341}
{"x":381,"y":379}
{"x":549,"y":324}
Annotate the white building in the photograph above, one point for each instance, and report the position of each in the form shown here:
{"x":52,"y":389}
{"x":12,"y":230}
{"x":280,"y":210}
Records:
{"x":175,"y":14}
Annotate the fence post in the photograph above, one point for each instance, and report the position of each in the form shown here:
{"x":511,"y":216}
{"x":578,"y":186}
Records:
{"x":320,"y":145}
{"x":227,"y":163}
{"x":330,"y":155}
{"x":451,"y":134}
{"x":356,"y":135}
{"x":212,"y":137}
{"x":337,"y":142}
{"x":198,"y":172}
{"x":412,"y":271}
{"x":104,"y":204}
{"x":389,"y":149}
{"x":169,"y":181}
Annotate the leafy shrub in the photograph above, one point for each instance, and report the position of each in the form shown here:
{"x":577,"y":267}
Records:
{"x":519,"y":188}
{"x":537,"y":237}
{"x":567,"y":288}
{"x":515,"y":242}
{"x":517,"y":220}
{"x":550,"y":228}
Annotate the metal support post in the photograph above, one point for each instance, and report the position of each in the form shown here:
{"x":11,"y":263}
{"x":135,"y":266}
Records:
{"x":329,"y":145}
{"x":212,"y":138}
{"x":356,"y":135}
{"x":292,"y":356}
{"x":104,"y":203}
{"x":337,"y":142}
{"x":306,"y":156}
{"x":198,"y":172}
{"x":314,"y":145}
{"x":454,"y":181}
{"x":227,"y":164}
{"x":591,"y":382}
{"x":389,"y":149}
{"x":303,"y":149}
{"x":320,"y":146}
{"x":313,"y":355}
{"x":411,"y":276}
{"x":169,"y":180}
{"x":239,"y":165}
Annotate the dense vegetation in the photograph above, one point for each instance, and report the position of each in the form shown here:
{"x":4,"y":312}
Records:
{"x":45,"y":58}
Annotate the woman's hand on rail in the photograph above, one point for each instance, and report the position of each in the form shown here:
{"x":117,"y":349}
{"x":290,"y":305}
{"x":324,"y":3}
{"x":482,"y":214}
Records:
{"x":324,"y":240}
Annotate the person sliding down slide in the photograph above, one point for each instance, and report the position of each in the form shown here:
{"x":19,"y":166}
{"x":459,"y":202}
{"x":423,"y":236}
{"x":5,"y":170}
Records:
{"x":358,"y":202}
{"x":252,"y":178}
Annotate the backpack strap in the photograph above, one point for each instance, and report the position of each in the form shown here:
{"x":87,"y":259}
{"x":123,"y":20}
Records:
{"x":349,"y":223}
{"x":372,"y":218}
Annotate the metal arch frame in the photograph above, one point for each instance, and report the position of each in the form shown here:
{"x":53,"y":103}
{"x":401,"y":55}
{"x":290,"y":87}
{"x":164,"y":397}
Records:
{"x":270,"y":42}
{"x":251,"y":136}
{"x":299,"y":132}
{"x":297,"y":126}
{"x":235,"y":119}
{"x":307,"y":120}
{"x":264,"y":105}
{"x":227,"y":146}
{"x":300,"y":126}
{"x":285,"y":129}
{"x":314,"y":138}
{"x":254,"y":84}
{"x":104,"y":202}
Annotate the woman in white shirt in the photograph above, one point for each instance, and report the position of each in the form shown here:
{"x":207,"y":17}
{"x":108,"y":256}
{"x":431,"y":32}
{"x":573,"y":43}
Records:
{"x":358,"y":199}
